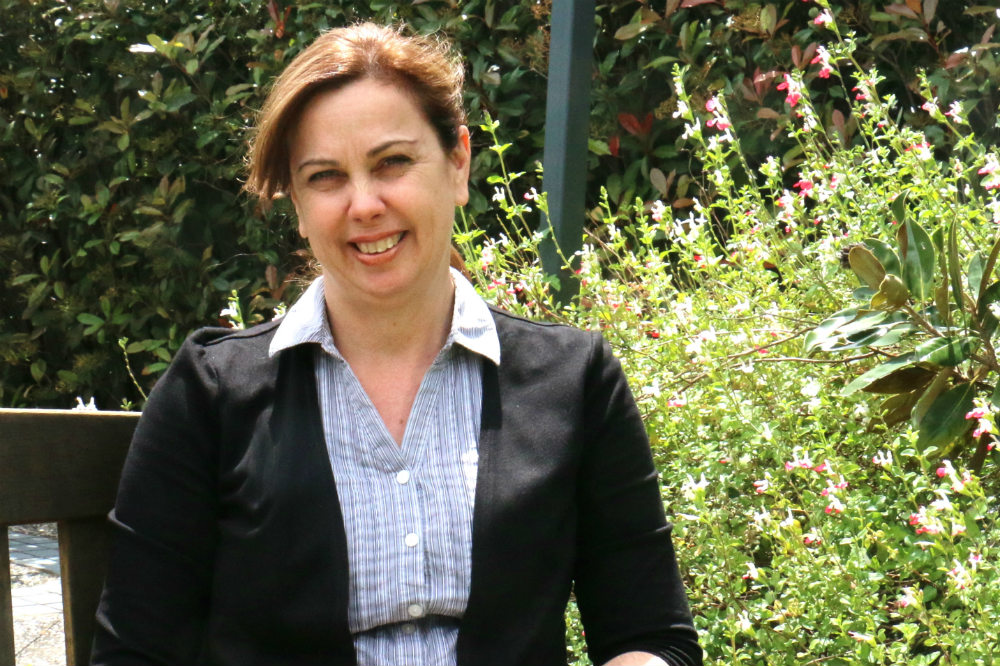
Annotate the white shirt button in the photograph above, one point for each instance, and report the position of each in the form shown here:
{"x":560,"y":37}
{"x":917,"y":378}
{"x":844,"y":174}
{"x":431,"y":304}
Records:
{"x":409,"y":629}
{"x":403,"y":477}
{"x":415,"y":610}
{"x":411,"y":540}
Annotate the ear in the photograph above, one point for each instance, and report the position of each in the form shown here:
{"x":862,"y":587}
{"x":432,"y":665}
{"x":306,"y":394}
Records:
{"x":461,"y":159}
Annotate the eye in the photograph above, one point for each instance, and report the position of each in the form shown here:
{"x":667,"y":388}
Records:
{"x":325,"y":175}
{"x":394,"y":161}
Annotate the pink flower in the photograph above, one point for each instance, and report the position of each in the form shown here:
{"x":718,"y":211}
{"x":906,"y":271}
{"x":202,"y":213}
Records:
{"x":675,"y":402}
{"x":929,"y":106}
{"x":835,"y":506}
{"x":712,"y":105}
{"x":945,"y":469}
{"x":804,"y":186}
{"x":824,"y":18}
{"x":977,"y":413}
{"x":811,"y":538}
{"x":916,"y":518}
{"x":718,"y":123}
{"x":794,"y":93}
{"x":761,"y":486}
{"x":657,"y":210}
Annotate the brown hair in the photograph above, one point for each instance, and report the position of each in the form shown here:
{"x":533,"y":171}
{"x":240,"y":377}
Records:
{"x":424,"y":66}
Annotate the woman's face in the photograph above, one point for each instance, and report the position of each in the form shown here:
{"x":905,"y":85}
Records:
{"x":375,"y":193}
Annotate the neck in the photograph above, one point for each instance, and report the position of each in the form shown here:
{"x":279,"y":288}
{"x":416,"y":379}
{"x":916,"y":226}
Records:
{"x":411,"y":328}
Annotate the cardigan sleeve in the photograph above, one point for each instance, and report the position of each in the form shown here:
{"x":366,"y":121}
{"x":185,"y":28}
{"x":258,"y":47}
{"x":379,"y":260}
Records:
{"x":627,"y":583}
{"x":155,"y":600}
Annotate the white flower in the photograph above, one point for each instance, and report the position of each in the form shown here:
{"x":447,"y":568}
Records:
{"x":498,"y":195}
{"x":88,"y":407}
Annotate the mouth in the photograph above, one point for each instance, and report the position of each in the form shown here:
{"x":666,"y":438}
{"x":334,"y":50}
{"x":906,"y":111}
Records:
{"x":381,"y":245}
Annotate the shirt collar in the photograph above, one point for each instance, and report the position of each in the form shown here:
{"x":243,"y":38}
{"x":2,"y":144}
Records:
{"x":472,"y":324}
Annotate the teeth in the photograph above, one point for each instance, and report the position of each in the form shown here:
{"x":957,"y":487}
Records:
{"x":380,"y":245}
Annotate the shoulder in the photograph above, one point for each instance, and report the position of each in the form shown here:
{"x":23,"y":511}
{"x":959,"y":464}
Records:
{"x":218,"y":353}
{"x":560,"y":349}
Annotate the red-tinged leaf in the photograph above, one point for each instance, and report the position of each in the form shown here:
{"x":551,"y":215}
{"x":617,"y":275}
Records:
{"x":630,"y":123}
{"x":272,"y":10}
{"x":955,"y":59}
{"x":808,"y":55}
{"x":914,"y":5}
{"x":749,"y":93}
{"x":766,"y":113}
{"x":686,"y":4}
{"x":647,"y":123}
{"x":683,"y":202}
{"x":797,"y":57}
{"x":901,"y":10}
{"x":840,"y":123}
{"x":930,"y":8}
{"x":988,"y":35}
{"x":659,"y":180}
{"x":764,"y":80}
{"x":672,"y":6}
{"x":614,"y":143}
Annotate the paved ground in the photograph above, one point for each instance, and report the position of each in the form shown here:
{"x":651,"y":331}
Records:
{"x":36,"y":596}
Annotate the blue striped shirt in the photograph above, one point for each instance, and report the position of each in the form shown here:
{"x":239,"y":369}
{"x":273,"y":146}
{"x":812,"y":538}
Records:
{"x":407,"y":508}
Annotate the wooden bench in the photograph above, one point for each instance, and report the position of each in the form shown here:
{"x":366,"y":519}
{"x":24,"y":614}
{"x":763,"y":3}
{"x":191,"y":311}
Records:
{"x":62,"y":467}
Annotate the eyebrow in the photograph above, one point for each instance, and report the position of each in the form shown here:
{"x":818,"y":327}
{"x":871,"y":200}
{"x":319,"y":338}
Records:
{"x":382,"y":147}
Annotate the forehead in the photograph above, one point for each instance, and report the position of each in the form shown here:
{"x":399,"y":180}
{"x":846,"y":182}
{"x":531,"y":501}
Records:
{"x":358,"y":115}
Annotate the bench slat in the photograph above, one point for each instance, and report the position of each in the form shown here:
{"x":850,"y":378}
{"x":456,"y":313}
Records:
{"x":83,"y":552}
{"x":6,"y":607}
{"x":58,"y":465}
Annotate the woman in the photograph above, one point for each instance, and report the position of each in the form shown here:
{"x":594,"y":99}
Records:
{"x":394,"y":473}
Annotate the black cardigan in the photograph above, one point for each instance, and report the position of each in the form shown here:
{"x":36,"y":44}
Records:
{"x":229,"y":546}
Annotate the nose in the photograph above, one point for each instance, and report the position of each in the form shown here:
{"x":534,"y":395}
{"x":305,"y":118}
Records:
{"x":366,"y":202}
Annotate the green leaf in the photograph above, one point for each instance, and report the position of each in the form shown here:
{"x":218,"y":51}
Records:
{"x":917,"y":259}
{"x":904,"y":380}
{"x":975,"y":274}
{"x":937,"y":386}
{"x":892,"y":294}
{"x":826,"y":328}
{"x":866,"y":266}
{"x":38,"y":370}
{"x":945,"y":420}
{"x":898,"y":207}
{"x":988,"y":269}
{"x":954,"y":269}
{"x":897,"y":408}
{"x":89,"y":319}
{"x":878,"y":372}
{"x":985,"y":318}
{"x":946,"y":351}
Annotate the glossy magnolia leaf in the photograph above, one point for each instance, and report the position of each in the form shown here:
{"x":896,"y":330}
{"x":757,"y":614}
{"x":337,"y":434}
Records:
{"x":946,"y":352}
{"x":954,"y":269}
{"x":898,"y":207}
{"x":945,"y":420}
{"x":878,"y":372}
{"x":985,"y":318}
{"x":866,"y":266}
{"x":827,"y":327}
{"x":885,"y":255}
{"x":974,"y":277}
{"x":904,"y":380}
{"x":892,"y":294}
{"x":917,"y":260}
{"x":988,"y":268}
{"x":938,"y":385}
{"x":897,"y":409}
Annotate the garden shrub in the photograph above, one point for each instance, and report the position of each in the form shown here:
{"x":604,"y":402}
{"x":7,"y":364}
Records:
{"x":811,"y":524}
{"x":123,"y":125}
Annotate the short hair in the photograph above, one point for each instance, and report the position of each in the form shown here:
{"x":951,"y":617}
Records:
{"x":424,"y":66}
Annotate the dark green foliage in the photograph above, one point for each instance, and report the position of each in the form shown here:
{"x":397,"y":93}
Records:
{"x":120,"y":169}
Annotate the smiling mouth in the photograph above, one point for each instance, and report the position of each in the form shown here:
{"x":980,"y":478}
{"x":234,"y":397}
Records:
{"x":381,"y":245}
